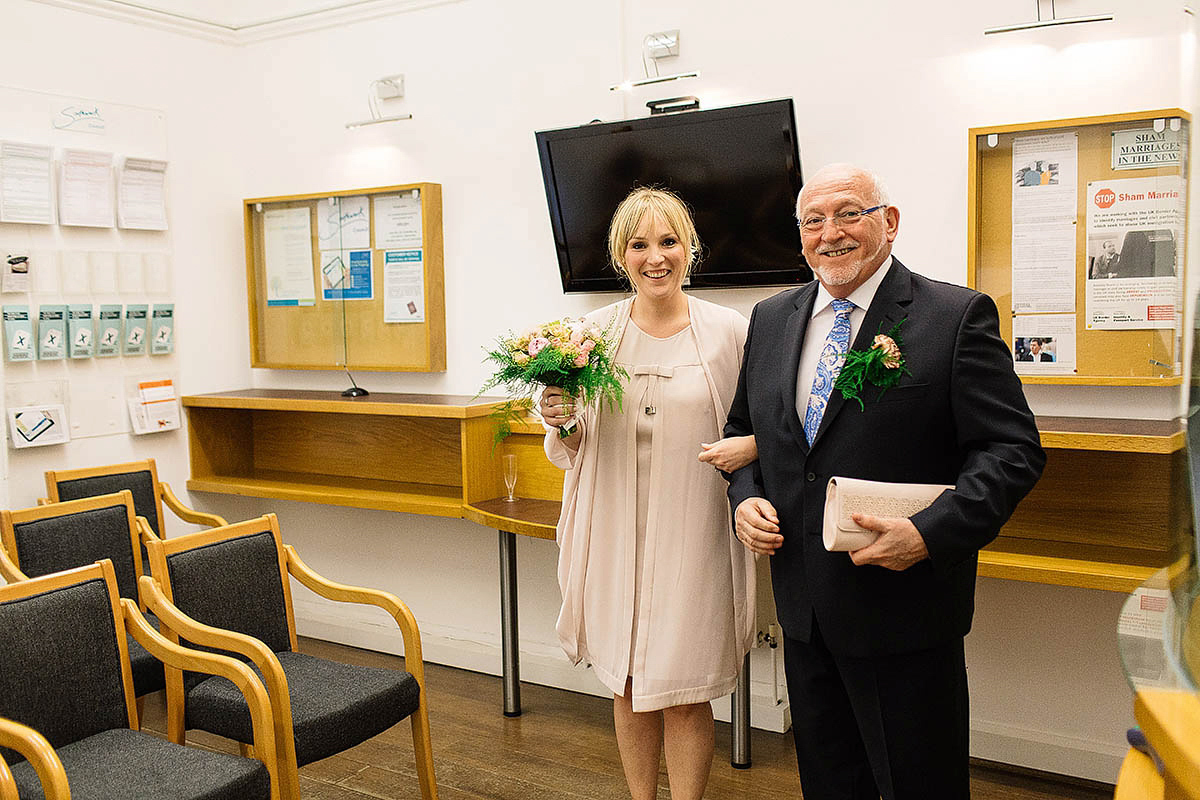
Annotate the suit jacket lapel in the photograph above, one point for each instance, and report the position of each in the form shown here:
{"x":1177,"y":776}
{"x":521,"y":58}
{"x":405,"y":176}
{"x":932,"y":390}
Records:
{"x":889,"y":306}
{"x":793,"y":339}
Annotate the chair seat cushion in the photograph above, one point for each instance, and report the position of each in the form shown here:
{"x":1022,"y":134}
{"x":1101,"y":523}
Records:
{"x":148,"y":673}
{"x":121,"y":764}
{"x":334,"y":706}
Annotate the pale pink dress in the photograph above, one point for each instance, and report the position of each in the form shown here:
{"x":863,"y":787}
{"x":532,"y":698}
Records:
{"x":654,"y":584}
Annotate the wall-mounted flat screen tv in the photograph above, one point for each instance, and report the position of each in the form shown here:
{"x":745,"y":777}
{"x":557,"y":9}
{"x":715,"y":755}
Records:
{"x":738,"y":169}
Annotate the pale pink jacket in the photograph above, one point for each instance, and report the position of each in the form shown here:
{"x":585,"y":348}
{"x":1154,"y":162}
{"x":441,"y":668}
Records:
{"x":697,"y":618}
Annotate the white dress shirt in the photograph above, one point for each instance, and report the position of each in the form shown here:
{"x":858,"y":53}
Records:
{"x":821,"y":323}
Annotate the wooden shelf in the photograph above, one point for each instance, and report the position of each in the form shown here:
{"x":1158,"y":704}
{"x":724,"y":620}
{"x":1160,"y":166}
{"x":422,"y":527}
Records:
{"x":1096,"y":520}
{"x":412,"y":498}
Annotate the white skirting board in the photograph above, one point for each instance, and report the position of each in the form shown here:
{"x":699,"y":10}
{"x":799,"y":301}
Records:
{"x":546,"y":666}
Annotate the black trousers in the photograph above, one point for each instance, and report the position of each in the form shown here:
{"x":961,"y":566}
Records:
{"x":894,"y":726}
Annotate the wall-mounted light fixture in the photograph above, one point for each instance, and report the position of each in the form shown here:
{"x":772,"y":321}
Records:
{"x":390,"y":87}
{"x":1047,"y":23}
{"x":663,"y":44}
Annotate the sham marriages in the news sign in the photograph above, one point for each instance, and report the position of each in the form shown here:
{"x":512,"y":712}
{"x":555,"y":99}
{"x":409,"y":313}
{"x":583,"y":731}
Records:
{"x":1146,"y":147}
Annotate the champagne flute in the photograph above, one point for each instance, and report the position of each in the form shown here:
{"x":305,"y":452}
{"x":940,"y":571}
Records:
{"x":510,"y":474}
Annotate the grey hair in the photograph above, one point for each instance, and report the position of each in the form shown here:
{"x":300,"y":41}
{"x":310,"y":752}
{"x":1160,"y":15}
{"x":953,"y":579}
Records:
{"x":875,"y":185}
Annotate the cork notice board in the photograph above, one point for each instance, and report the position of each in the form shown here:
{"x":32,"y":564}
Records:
{"x":1004,"y":248}
{"x":347,"y":279}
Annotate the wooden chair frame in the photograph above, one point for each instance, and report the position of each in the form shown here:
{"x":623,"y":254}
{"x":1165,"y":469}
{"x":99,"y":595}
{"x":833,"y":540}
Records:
{"x":128,"y":618}
{"x":10,"y":567}
{"x":159,"y":598}
{"x":162,"y":491}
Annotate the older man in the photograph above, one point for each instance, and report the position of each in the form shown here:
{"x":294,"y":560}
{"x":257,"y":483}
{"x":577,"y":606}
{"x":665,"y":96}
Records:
{"x":873,"y":639}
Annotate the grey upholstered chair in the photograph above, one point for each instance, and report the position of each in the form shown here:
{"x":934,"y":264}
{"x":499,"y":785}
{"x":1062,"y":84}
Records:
{"x":228,"y":589}
{"x":64,"y":673}
{"x":59,"y":536}
{"x":140,"y":478}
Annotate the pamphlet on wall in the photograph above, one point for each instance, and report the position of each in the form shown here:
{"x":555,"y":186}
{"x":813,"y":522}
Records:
{"x":142,"y":194}
{"x":80,"y":330}
{"x":52,"y":332}
{"x":86,"y":190}
{"x":108,"y":331}
{"x":287,"y":257}
{"x":155,"y":408}
{"x":162,"y":325}
{"x":1044,"y":202}
{"x":16,"y":272}
{"x":1044,"y":344}
{"x":398,"y":220}
{"x":36,"y":426}
{"x":343,"y":223}
{"x":134,"y":337}
{"x":346,"y":275}
{"x":18,"y":332}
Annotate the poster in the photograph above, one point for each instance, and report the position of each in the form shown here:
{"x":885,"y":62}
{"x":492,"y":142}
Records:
{"x":346,"y":275}
{"x":403,"y":286}
{"x":1146,"y":147}
{"x":287,"y":256}
{"x":1044,"y":344}
{"x":1044,"y":202}
{"x":1135,"y":243}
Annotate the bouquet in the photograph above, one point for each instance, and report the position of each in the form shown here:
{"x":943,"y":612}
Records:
{"x":567,"y":353}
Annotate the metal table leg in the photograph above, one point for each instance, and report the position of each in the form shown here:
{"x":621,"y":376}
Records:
{"x":510,"y":652}
{"x":739,"y":757}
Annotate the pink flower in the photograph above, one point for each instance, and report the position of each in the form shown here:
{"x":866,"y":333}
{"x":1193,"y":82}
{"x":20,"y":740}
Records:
{"x":536,"y":344}
{"x":581,"y":360}
{"x":587,"y":345}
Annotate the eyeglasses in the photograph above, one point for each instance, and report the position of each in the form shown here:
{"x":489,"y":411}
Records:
{"x":842,"y":219}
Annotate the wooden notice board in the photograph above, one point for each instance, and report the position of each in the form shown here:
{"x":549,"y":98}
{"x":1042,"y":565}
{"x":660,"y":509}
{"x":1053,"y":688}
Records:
{"x":319,"y":281}
{"x":1132,"y":356}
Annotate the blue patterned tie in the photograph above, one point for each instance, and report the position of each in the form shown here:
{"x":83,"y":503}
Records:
{"x":832,"y":355}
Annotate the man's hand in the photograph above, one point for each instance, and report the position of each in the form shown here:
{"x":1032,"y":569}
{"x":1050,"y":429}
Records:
{"x":757,"y":525}
{"x":729,"y":454}
{"x":898,"y":547}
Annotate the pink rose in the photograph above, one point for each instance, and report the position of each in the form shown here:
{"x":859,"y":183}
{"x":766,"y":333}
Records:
{"x":581,"y":360}
{"x":587,"y":346}
{"x":536,"y":344}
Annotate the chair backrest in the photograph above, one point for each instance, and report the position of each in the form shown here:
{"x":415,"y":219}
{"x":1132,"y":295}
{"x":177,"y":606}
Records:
{"x":139,"y":477}
{"x":233,"y":577}
{"x":64,"y":660}
{"x":60,"y":536}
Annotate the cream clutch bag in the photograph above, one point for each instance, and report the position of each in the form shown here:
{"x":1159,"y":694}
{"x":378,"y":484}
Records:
{"x":846,"y":496}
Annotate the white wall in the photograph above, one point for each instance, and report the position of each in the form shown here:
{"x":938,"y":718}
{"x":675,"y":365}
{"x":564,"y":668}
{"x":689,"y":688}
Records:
{"x":893,"y":85}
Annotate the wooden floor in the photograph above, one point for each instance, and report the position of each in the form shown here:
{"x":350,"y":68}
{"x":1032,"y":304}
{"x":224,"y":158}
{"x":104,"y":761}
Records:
{"x":562,"y":746}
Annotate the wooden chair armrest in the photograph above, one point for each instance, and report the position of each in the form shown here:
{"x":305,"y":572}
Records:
{"x":188,"y":514}
{"x":145,"y":532}
{"x":198,"y":633}
{"x":41,"y":756}
{"x":8,"y":786}
{"x":356,"y":594}
{"x":235,"y":671}
{"x":44,"y":501}
{"x":9,"y":570}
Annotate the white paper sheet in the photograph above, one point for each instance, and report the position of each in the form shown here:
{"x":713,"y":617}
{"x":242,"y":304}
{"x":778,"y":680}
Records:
{"x":1044,"y":203}
{"x":398,"y":220}
{"x":85,"y":195}
{"x":1044,"y":344}
{"x":343,"y":223}
{"x":26,"y":178}
{"x":142,"y":194}
{"x":287,"y":246}
{"x":403,"y":286}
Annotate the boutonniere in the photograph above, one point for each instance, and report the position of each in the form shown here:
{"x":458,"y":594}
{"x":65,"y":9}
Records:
{"x":882,"y":365}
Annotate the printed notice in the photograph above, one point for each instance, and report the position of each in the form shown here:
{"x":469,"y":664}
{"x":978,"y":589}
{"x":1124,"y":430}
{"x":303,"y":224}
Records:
{"x":25,"y":183}
{"x":343,"y":223}
{"x":1135,"y":241}
{"x":287,"y":248}
{"x":1145,"y":147}
{"x":1044,"y":344}
{"x":346,"y":275}
{"x":1044,"y":201}
{"x":142,"y":194}
{"x":85,"y":194}
{"x":403,"y":286}
{"x":398,"y":220}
